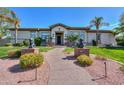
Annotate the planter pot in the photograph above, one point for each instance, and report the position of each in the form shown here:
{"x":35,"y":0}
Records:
{"x":81,"y":51}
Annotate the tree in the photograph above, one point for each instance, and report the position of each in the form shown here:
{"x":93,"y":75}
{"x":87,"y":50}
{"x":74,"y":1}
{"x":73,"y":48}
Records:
{"x":97,"y":22}
{"x":72,"y":39}
{"x":8,"y":19}
{"x":119,"y":31}
{"x":120,"y":28}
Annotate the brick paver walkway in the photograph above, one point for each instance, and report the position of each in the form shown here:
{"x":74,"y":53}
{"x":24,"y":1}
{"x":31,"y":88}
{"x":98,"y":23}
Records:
{"x":64,"y":71}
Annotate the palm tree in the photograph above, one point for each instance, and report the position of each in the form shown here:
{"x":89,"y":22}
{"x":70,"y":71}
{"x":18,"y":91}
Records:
{"x":16,"y":24}
{"x":9,"y":17}
{"x":98,"y":22}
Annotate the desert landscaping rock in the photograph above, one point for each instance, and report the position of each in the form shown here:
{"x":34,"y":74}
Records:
{"x":114,"y":75}
{"x":61,"y":69}
{"x":10,"y":73}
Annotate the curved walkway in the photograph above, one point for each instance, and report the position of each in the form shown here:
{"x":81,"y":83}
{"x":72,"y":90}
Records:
{"x":63,"y":71}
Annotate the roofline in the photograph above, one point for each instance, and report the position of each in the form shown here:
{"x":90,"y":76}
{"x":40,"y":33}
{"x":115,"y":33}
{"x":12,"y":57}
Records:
{"x":74,"y":28}
{"x":63,"y":25}
{"x":47,"y":29}
{"x":31,"y":29}
{"x":50,"y":27}
{"x":101,"y":31}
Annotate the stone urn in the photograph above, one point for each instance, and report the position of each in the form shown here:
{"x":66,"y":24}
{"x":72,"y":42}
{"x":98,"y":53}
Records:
{"x":80,"y":50}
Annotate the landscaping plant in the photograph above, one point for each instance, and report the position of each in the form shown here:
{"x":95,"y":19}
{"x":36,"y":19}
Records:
{"x":84,"y":60}
{"x":38,"y":41}
{"x":26,"y":42}
{"x":19,"y":44}
{"x":97,"y":22}
{"x":98,"y":57}
{"x":31,"y":60}
{"x":72,"y":39}
{"x":8,"y":44}
{"x":14,"y":54}
{"x":93,"y":42}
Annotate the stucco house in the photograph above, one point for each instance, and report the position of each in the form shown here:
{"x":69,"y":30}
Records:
{"x":58,"y":33}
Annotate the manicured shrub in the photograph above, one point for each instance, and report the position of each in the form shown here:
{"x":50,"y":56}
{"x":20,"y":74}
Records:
{"x":93,"y":42}
{"x":19,"y":44}
{"x":14,"y":54}
{"x":31,"y":60}
{"x":26,"y":42}
{"x":100,"y":58}
{"x":122,"y":68}
{"x":121,"y":43}
{"x":38,"y":41}
{"x":8,"y":44}
{"x":84,"y":60}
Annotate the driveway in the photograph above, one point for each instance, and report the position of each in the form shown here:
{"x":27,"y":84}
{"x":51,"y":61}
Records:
{"x":64,"y":71}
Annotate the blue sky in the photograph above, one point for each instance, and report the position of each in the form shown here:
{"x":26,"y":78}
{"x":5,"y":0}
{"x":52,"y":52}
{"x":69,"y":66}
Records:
{"x":72,"y":16}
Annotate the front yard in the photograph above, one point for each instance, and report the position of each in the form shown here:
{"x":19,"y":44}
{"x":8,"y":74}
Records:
{"x":4,"y":50}
{"x":111,"y":53}
{"x":12,"y":73}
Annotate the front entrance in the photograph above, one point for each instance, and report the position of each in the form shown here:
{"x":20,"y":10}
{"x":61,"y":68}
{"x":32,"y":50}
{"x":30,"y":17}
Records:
{"x":59,"y":38}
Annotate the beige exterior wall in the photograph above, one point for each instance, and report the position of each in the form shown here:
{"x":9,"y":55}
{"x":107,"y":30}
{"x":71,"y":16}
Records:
{"x":106,"y":38}
{"x":90,"y":37}
{"x":67,"y":32}
{"x":21,"y":35}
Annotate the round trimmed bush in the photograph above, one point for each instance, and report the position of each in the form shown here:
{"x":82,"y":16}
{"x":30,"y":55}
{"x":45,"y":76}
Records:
{"x":26,"y":42}
{"x":8,"y":44}
{"x":19,"y":44}
{"x":14,"y":53}
{"x":37,"y":41}
{"x":84,"y":60}
{"x":98,"y":57}
{"x":31,"y":60}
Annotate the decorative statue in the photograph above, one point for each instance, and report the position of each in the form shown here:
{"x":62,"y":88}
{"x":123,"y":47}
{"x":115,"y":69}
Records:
{"x":31,"y":44}
{"x":80,"y":43}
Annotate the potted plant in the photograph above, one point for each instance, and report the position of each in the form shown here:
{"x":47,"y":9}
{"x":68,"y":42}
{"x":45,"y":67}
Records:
{"x":79,"y":49}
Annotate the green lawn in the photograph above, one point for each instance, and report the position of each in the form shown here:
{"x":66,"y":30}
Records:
{"x":112,"y":53}
{"x":4,"y":50}
{"x":68,"y":50}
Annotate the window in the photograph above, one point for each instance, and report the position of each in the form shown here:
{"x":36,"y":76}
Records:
{"x":33,"y":35}
{"x":82,"y":35}
{"x":44,"y":35}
